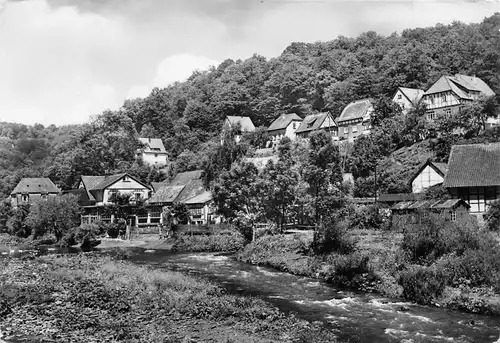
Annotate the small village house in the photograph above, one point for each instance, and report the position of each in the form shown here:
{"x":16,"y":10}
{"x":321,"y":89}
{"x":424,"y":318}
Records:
{"x":284,"y":126}
{"x":449,"y":93}
{"x":239,"y":124}
{"x":407,"y":98}
{"x":30,"y":189}
{"x":428,"y":174}
{"x":355,"y":120}
{"x":412,"y":212}
{"x":474,"y":174}
{"x":316,"y":122}
{"x":153,"y":152}
{"x":96,"y":192}
{"x":185,"y":188}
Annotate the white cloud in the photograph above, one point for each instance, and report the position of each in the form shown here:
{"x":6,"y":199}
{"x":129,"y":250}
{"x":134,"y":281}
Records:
{"x":179,"y":67}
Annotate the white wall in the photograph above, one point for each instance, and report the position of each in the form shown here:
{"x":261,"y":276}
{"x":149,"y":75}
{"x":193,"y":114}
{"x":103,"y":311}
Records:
{"x":402,"y":101}
{"x":151,"y":159}
{"x":290,"y":130}
{"x":427,"y":178}
{"x":438,"y":100}
{"x":126,"y":187}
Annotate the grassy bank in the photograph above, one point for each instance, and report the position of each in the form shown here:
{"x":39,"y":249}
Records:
{"x":219,"y":241}
{"x":377,"y":265}
{"x":89,"y":298}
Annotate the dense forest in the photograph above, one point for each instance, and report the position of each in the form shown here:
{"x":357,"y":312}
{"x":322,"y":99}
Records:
{"x":306,"y":78}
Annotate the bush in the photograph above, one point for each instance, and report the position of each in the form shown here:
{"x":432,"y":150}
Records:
{"x":351,"y":271}
{"x":111,"y":229}
{"x":332,"y":236}
{"x":435,"y":237}
{"x":367,"y":218}
{"x":492,"y":216}
{"x":83,"y":234}
{"x":422,"y":284}
{"x":224,"y":241}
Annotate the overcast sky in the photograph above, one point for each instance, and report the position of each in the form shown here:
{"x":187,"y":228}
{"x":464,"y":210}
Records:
{"x":64,"y":60}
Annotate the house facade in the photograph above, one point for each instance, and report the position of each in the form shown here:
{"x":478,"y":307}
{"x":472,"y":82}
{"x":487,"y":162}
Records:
{"x":428,"y":174}
{"x":153,"y":152}
{"x":407,"y":98}
{"x":474,"y":174}
{"x":185,"y":188}
{"x":316,"y":122}
{"x":30,"y":190}
{"x":449,"y":93}
{"x":284,"y":126}
{"x":240,"y":124}
{"x":355,"y":120}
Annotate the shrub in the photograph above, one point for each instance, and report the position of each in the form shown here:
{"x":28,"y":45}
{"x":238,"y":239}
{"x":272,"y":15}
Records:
{"x":84,"y":234}
{"x":351,"y":271}
{"x":422,"y":284}
{"x":492,"y":216}
{"x":16,"y":225}
{"x":224,"y":241}
{"x":112,"y":229}
{"x":332,"y":236}
{"x":367,"y":217}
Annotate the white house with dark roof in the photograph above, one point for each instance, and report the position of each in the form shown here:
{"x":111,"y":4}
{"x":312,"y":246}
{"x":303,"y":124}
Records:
{"x":407,"y":98}
{"x":355,"y":120}
{"x":32,"y":189}
{"x":284,"y":126}
{"x":449,"y":93}
{"x":153,"y":152}
{"x":316,"y":122}
{"x":474,"y":174}
{"x":428,"y":174}
{"x":239,"y":124}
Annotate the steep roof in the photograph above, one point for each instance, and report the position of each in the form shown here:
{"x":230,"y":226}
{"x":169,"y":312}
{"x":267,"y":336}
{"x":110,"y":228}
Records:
{"x":153,"y":145}
{"x":314,"y":121}
{"x":440,"y":168}
{"x":35,"y":185}
{"x":245,"y":122}
{"x":157,"y":185}
{"x":89,"y":182}
{"x":473,"y":165}
{"x":283,"y":121}
{"x":166,"y":194}
{"x":456,"y":83}
{"x":108,"y":181}
{"x":202,"y":198}
{"x":412,"y":94}
{"x":186,"y":177}
{"x":358,"y":109}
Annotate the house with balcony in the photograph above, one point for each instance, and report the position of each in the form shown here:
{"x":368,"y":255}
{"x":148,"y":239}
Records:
{"x":284,"y":126}
{"x":449,"y":93}
{"x":316,"y":122}
{"x":355,"y":120}
{"x":31,"y":189}
{"x":153,"y":152}
{"x":407,"y":98}
{"x":474,"y":174}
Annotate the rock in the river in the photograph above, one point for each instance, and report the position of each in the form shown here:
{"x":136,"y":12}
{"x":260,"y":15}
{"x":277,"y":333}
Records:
{"x":404,"y":308}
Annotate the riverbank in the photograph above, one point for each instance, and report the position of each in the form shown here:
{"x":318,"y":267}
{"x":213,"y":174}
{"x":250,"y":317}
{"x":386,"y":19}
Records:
{"x":92,"y":298}
{"x":374,"y":267}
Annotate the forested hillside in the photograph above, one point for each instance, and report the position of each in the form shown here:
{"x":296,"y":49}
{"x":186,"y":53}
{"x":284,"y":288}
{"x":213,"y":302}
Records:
{"x":305,"y":78}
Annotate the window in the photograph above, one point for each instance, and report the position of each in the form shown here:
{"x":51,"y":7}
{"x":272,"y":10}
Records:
{"x":447,"y":112}
{"x":399,"y":97}
{"x":453,"y":215}
{"x":25,"y":197}
{"x":44,"y":197}
{"x":355,"y":128}
{"x":138,"y":195}
{"x":126,"y":179}
{"x":294,"y":125}
{"x":431,"y":115}
{"x":156,"y":155}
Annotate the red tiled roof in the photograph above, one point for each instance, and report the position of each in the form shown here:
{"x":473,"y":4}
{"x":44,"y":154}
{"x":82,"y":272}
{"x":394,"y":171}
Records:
{"x":473,"y":165}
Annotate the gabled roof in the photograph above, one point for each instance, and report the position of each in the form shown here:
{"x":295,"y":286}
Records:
{"x":155,"y":186}
{"x":202,"y":198}
{"x":153,"y":145}
{"x":440,"y":168}
{"x":183,"y":187}
{"x":460,"y":84}
{"x":473,"y":165}
{"x":97,"y":183}
{"x":166,"y":194}
{"x":89,"y":182}
{"x":245,"y":122}
{"x":283,"y":121}
{"x":313,"y":122}
{"x":412,"y":94}
{"x":35,"y":185}
{"x":108,"y":181}
{"x":429,"y":204}
{"x":358,"y":109}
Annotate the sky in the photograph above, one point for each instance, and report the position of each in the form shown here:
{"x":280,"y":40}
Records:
{"x":62,"y":61}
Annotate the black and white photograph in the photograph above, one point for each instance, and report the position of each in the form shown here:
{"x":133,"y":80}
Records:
{"x":250,"y":171}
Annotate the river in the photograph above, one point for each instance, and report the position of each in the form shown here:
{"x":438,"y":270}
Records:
{"x":353,"y":316}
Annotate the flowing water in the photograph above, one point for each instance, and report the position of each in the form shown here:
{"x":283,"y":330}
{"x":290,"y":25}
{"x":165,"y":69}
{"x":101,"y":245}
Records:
{"x":354,"y":316}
